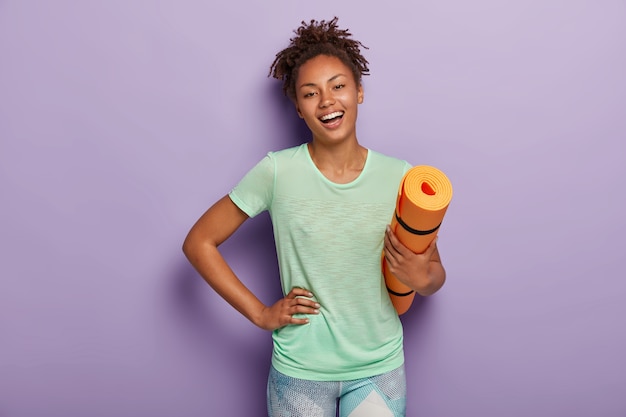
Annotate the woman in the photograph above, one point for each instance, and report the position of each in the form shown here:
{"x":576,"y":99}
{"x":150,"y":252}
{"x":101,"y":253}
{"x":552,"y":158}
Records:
{"x":337,"y":337}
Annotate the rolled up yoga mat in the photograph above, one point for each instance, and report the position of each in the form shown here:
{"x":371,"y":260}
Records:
{"x":423,"y":198}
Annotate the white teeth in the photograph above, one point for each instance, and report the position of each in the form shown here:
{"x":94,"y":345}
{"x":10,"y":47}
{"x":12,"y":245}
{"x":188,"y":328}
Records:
{"x":331,"y":115}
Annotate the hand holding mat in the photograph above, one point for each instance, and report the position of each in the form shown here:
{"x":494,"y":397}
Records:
{"x":423,"y":198}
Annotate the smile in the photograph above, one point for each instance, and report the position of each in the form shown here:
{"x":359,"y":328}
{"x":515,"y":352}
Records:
{"x":331,"y":116}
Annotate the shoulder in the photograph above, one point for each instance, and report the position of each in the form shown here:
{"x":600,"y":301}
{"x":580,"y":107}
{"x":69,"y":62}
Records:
{"x":273,"y":159}
{"x":384,"y":161}
{"x":288,"y":153}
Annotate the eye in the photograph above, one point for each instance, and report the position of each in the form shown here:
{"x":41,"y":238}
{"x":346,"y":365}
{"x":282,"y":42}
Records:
{"x":309,"y":94}
{"x":339,"y":86}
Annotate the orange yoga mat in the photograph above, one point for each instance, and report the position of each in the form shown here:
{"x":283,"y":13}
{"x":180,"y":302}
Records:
{"x":423,"y":198}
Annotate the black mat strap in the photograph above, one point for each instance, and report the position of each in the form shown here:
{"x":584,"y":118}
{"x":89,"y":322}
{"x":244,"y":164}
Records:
{"x":415,"y":231}
{"x":398,"y":294}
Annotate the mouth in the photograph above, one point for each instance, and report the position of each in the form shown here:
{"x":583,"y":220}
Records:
{"x":331,"y":117}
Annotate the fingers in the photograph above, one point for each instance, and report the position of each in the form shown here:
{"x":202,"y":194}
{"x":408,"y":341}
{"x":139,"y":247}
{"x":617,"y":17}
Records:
{"x":298,"y":302}
{"x":299,"y":292}
{"x":390,"y":237}
{"x":394,"y":249}
{"x":395,"y":252}
{"x":299,"y":308}
{"x":293,"y":308}
{"x":295,"y":317}
{"x":301,"y":297}
{"x":393,"y":244}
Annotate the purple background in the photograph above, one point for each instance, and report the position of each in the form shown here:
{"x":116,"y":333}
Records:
{"x":122,"y":121}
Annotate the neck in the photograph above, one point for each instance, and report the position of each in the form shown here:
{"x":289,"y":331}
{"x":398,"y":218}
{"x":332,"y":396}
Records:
{"x":340,"y":163}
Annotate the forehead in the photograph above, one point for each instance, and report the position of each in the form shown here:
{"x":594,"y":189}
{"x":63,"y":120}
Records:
{"x":321,"y":69}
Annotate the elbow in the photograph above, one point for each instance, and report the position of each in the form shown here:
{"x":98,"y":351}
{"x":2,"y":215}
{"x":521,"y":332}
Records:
{"x":432,"y":284}
{"x":429,"y":289}
{"x":185,"y":248}
{"x":189,"y":245}
{"x":195,"y":246}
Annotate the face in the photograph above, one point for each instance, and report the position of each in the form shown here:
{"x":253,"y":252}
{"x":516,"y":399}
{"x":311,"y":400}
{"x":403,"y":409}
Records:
{"x":327,"y":97}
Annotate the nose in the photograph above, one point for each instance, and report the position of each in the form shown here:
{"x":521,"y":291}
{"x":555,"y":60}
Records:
{"x":327,"y":99}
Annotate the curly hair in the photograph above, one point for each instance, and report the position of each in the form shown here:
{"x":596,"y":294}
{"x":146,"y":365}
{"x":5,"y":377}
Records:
{"x":313,"y":39}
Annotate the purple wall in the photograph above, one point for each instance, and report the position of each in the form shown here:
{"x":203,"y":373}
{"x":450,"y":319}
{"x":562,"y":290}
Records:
{"x":122,"y":121}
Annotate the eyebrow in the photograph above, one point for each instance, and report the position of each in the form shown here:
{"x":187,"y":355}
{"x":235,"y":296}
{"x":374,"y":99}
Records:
{"x":331,"y":79}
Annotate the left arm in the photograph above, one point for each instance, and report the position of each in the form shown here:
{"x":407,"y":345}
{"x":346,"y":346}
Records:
{"x":423,"y":272}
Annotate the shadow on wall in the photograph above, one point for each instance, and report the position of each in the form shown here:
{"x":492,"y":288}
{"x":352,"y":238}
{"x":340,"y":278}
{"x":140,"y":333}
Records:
{"x":293,"y":130}
{"x":212,"y":331}
{"x":417,"y":310}
{"x":222,"y":339}
{"x":415,"y":322}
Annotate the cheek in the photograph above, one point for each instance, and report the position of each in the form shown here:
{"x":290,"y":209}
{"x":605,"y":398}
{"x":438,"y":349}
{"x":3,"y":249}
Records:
{"x":350,"y":98}
{"x":302,"y":109}
{"x":305,"y":113}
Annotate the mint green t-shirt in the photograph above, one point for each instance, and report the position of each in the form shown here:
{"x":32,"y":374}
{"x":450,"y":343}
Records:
{"x":329,"y":240}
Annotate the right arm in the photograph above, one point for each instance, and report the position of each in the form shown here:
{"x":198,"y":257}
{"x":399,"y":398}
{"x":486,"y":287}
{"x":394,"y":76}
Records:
{"x":216,"y":225}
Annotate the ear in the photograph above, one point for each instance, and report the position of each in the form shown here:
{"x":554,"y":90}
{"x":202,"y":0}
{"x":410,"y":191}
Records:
{"x":359,"y":94}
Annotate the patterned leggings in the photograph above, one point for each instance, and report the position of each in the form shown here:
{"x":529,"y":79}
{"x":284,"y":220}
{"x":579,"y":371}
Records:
{"x":378,"y":396}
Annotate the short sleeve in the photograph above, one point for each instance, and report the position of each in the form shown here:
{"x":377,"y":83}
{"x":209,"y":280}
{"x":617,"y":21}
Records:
{"x":254,"y":193}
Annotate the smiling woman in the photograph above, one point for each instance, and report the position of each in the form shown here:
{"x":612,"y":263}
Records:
{"x":330,"y":202}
